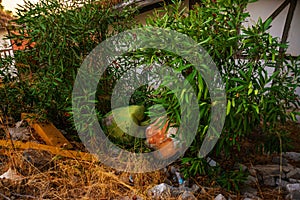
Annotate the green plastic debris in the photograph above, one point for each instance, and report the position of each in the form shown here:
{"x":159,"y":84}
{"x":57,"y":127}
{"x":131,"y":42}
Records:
{"x":130,"y":124}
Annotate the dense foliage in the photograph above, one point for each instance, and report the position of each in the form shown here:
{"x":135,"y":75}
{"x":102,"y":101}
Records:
{"x":260,"y":80}
{"x":56,"y":36}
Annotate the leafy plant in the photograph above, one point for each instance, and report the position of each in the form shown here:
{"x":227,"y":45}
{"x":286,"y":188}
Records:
{"x":56,"y":36}
{"x":232,"y":180}
{"x":260,"y":82}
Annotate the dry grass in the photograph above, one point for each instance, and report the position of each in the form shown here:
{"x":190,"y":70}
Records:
{"x":72,"y":179}
{"x":62,"y":178}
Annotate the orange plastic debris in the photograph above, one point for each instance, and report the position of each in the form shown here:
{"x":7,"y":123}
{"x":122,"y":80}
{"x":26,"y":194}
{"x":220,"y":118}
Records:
{"x":159,"y":139}
{"x":155,"y":134}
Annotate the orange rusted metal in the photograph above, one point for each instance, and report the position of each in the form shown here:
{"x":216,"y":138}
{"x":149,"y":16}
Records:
{"x":51,"y":149}
{"x":48,"y":132}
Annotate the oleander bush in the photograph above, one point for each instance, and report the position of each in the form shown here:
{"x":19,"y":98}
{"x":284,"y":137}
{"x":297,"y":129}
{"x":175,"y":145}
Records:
{"x":260,"y":79}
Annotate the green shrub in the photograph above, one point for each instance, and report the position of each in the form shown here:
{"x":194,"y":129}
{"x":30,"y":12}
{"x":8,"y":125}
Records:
{"x":63,"y":34}
{"x":255,"y":99}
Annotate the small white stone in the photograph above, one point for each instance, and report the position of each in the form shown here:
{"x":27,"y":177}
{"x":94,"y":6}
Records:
{"x":293,"y":187}
{"x":220,"y":197}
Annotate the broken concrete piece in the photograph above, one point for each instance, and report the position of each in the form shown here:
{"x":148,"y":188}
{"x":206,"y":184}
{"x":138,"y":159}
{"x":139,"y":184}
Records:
{"x":281,"y":183}
{"x":292,"y":155}
{"x":293,"y":187}
{"x":250,"y":180}
{"x":249,"y":192}
{"x":187,"y":196}
{"x":269,"y":170}
{"x":277,"y":160}
{"x":293,"y":195}
{"x":294,"y":174}
{"x":270,"y":181}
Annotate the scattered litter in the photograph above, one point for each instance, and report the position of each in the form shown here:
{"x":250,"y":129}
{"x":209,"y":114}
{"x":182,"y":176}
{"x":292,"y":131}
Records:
{"x":161,"y":138}
{"x":179,"y":178}
{"x":176,"y":176}
{"x":11,"y":175}
{"x":19,"y":124}
{"x":164,"y":190}
{"x":20,"y":133}
{"x":211,"y":162}
{"x":131,"y":181}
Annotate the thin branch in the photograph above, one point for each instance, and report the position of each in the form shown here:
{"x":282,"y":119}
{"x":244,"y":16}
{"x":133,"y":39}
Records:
{"x":25,"y":195}
{"x":5,"y":197}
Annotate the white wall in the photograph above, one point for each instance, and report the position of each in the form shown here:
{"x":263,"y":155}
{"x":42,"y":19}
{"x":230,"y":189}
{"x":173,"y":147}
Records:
{"x":263,"y":9}
{"x":6,"y":45}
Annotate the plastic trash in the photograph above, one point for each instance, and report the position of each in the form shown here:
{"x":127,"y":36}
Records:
{"x":160,"y":137}
{"x":176,"y":176}
{"x":211,"y":162}
{"x":164,"y":190}
{"x":131,"y":123}
{"x":179,"y":178}
{"x":11,"y":174}
{"x":131,"y":181}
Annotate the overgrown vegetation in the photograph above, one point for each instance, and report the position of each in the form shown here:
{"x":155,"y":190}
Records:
{"x":260,"y":82}
{"x":57,"y":36}
{"x":257,"y":98}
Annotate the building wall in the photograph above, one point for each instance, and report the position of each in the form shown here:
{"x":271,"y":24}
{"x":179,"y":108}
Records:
{"x":263,"y":9}
{"x":142,"y":17}
{"x":6,"y":50}
{"x":4,"y":44}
